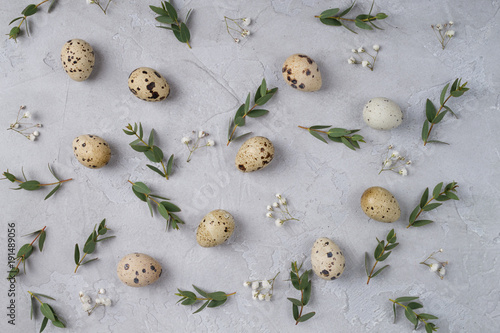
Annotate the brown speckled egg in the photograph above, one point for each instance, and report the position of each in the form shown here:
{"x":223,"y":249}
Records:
{"x":328,"y":261}
{"x":380,"y":205}
{"x":91,"y":151}
{"x":215,"y":228}
{"x":383,"y":114}
{"x":148,"y":85}
{"x":138,"y":270}
{"x":302,"y":73}
{"x":254,"y":154}
{"x":77,"y":57}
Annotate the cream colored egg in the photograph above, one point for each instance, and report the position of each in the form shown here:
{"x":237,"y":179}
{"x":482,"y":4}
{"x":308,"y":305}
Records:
{"x":380,"y":205}
{"x":138,"y":270}
{"x":91,"y":151}
{"x":254,"y":154}
{"x":148,"y":85}
{"x":77,"y":57}
{"x":215,"y":228}
{"x":328,"y":261}
{"x":382,"y":114}
{"x":302,"y":73}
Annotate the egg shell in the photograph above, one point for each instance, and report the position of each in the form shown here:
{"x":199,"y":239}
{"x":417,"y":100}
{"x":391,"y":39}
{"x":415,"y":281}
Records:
{"x":148,"y":85}
{"x":77,"y":57}
{"x":215,"y":228}
{"x":328,"y":261}
{"x":302,"y":73}
{"x":380,"y":205}
{"x":254,"y":154}
{"x":91,"y":151}
{"x":138,"y":270}
{"x":382,"y":114}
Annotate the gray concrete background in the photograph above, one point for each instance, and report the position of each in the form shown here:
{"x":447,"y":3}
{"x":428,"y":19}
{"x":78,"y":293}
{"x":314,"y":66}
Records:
{"x":323,"y":183}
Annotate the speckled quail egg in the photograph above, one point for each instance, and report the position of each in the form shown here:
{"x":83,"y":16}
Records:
{"x":215,"y":228}
{"x":91,"y":151}
{"x":148,"y":85}
{"x":77,"y":57}
{"x":254,"y":154}
{"x":327,"y":259}
{"x":302,"y":73}
{"x":380,"y":205}
{"x":138,"y":270}
{"x":383,"y":114}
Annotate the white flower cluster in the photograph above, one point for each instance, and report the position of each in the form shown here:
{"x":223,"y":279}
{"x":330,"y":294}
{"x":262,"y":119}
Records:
{"x":243,"y":32}
{"x":262,"y":290}
{"x":437,"y":267}
{"x":282,"y":205}
{"x":25,"y":129}
{"x":395,"y":162}
{"x":196,"y":145}
{"x":443,"y":34}
{"x":364,"y":63}
{"x":100,"y":301}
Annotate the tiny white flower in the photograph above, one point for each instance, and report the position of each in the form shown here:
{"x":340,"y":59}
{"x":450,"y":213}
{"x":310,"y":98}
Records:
{"x":408,"y":163}
{"x":255,"y":285}
{"x":390,"y":147}
{"x":236,"y":40}
{"x":354,"y":51}
{"x":89,"y":2}
{"x":210,"y":143}
{"x":450,"y":33}
{"x":450,"y":23}
{"x":36,"y":133}
{"x":27,"y":114}
{"x":201,"y":134}
{"x":361,"y":49}
{"x":364,"y":63}
{"x":185,"y":140}
{"x":106,"y":302}
{"x":38,"y":125}
{"x":99,"y":301}
{"x":276,"y":205}
{"x":387,"y":163}
{"x":16,"y":126}
{"x":376,"y":47}
{"x":442,"y":271}
{"x":395,"y":154}
{"x":269,"y":208}
{"x":278,"y":195}
{"x":351,"y":60}
{"x":283,"y":201}
{"x":247,"y":284}
{"x":23,"y":107}
{"x":403,"y":172}
{"x":439,"y":27}
{"x":268,"y":298}
{"x":255,"y":295}
{"x":440,"y":250}
{"x":434,"y":267}
{"x":246,"y":21}
{"x":246,"y":32}
{"x":261,"y":297}
{"x":266,"y":284}
{"x":101,"y":291}
{"x":81,"y":294}
{"x":86,"y":307}
{"x":269,"y":214}
{"x":31,"y":137}
{"x":278,"y":222}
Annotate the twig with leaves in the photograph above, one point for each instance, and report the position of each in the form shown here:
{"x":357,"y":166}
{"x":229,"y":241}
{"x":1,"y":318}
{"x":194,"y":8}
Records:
{"x":413,"y":317}
{"x":380,"y":254}
{"x":336,"y":135}
{"x":168,"y":15}
{"x":434,"y":117}
{"x":438,"y":194}
{"x":165,"y":208}
{"x":300,"y":282}
{"x":26,"y":250}
{"x":363,"y":21}
{"x":28,"y":11}
{"x":211,"y":300}
{"x":46,"y":310}
{"x":33,"y":185}
{"x":152,"y":152}
{"x":90,"y":244}
{"x":262,"y":96}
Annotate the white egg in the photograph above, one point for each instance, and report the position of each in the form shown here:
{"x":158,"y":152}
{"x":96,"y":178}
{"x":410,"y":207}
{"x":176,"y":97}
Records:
{"x":382,"y":114}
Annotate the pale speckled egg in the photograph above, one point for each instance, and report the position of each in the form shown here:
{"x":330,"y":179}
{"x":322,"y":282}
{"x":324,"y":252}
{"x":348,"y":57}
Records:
{"x":254,"y":154}
{"x":382,"y":114}
{"x":91,"y":151}
{"x":328,"y":261}
{"x":302,"y":73}
{"x":138,"y":270}
{"x":380,"y":205}
{"x":148,"y":85}
{"x":215,"y":228}
{"x":77,"y":57}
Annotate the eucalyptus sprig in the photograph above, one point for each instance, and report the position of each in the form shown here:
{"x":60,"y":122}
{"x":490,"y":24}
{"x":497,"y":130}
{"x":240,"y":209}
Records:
{"x":211,"y":300}
{"x":336,"y":135}
{"x":300,"y":282}
{"x":434,"y":117}
{"x":46,"y":310}
{"x":165,"y":208}
{"x":380,"y":254}
{"x":90,"y":244}
{"x":28,"y":11}
{"x":363,"y":21}
{"x":26,"y":250}
{"x":413,"y":317}
{"x":33,"y":185}
{"x":168,"y":15}
{"x":262,"y":96}
{"x":152,"y":152}
{"x":438,"y":194}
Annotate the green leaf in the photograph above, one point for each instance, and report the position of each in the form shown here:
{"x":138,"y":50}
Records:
{"x":362,"y":25}
{"x":379,"y":249}
{"x":304,"y":280}
{"x":381,"y":16}
{"x":457,"y":93}
{"x":390,"y":235}
{"x":264,"y":99}
{"x":436,"y":141}
{"x":141,"y":131}
{"x":218,"y":296}
{"x":155,"y":169}
{"x":170,"y":165}
{"x":414,"y":305}
{"x":46,"y":296}
{"x":165,"y":19}
{"x":58,"y":323}
{"x":199,"y":291}
{"x":317,"y":136}
{"x":424,"y":198}
{"x":141,"y":196}
{"x":295,"y":311}
{"x":128,"y":132}
{"x":30,"y":185}
{"x":450,"y":111}
{"x":89,"y":247}
{"x":215,"y":303}
{"x":295,"y":301}
{"x":9,"y":176}
{"x":320,"y":127}
{"x":149,"y":206}
{"x":425,"y":131}
{"x":414,"y":214}
{"x":437,"y":190}
{"x":44,"y":324}
{"x":188,"y":294}
{"x":295,"y":280}
{"x":163,"y":212}
{"x":47,"y":311}
{"x":257,"y":113}
{"x":337,"y":132}
{"x":347,"y":10}
{"x":54,"y":190}
{"x":443,"y":94}
{"x":30,"y":10}
{"x":263,"y":88}
{"x":202,"y":307}
{"x":13,"y":273}
{"x":14,"y":32}
{"x":151,"y":139}
{"x":427,"y":316}
{"x":239,"y":121}
{"x":158,"y":153}
{"x":454,"y":85}
{"x":367,"y":264}
{"x":442,"y":198}
{"x":158,"y":10}
{"x":420,"y":223}
{"x":306,"y":316}
{"x":394,"y":310}
{"x":412,"y":317}
{"x":170,"y":206}
{"x":141,"y":188}
{"x":430,"y":110}
{"x":185,"y":35}
{"x":451,"y":195}
{"x":41,"y":239}
{"x":241,"y":136}
{"x":347,"y":143}
{"x":86,"y":262}
{"x":384,"y":256}
{"x":439,"y":117}
{"x":390,"y":247}
{"x":247,"y":104}
{"x":405,"y":299}
{"x":77,"y":254}
{"x":329,"y":12}
{"x":380,"y":270}
{"x":428,"y":328}
{"x":307,"y":294}
{"x":431,"y":206}
{"x":25,"y":251}
{"x":240,"y":112}
{"x":140,"y":148}
{"x":171,"y":10}
{"x":330,"y":21}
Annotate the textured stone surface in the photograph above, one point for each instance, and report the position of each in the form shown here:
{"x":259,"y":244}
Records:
{"x":323,"y":183}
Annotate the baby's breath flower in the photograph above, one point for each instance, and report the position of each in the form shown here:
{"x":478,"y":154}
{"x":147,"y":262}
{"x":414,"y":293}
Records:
{"x":283,"y":201}
{"x":32,"y":137}
{"x":364,"y":63}
{"x":354,"y":51}
{"x":269,"y":214}
{"x":437,"y":266}
{"x":450,"y":23}
{"x":27,"y":114}
{"x":255,"y":295}
{"x":246,"y":21}
{"x":395,"y":154}
{"x":255,"y":285}
{"x":106,"y":302}
{"x":450,"y":33}
{"x":268,"y":297}
{"x":361,"y":49}
{"x":434,"y":267}
{"x":201,"y":134}
{"x":210,"y":143}
{"x":351,"y":60}
{"x":266,"y":284}
{"x":86,"y":307}
{"x":185,"y":140}
{"x":442,"y":271}
{"x":81,"y":294}
{"x":245,"y":33}
{"x":236,"y":40}
{"x":387,"y":163}
{"x":278,"y":195}
{"x":439,"y":27}
{"x":403,"y":172}
{"x":270,"y":208}
{"x":376,"y":47}
{"x":276,"y":205}
{"x":247,"y":284}
{"x":278,"y":222}
{"x":101,"y":291}
{"x":394,"y":162}
{"x":36,"y":133}
{"x":261,"y":297}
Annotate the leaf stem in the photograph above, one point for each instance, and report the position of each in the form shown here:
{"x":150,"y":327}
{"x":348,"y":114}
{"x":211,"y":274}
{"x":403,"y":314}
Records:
{"x":432,"y":124}
{"x":376,"y":262}
{"x":33,"y":295}
{"x":80,"y":262}
{"x":210,"y":299}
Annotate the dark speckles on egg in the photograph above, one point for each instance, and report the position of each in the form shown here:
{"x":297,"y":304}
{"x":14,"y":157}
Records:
{"x":126,"y":266}
{"x":136,"y":280}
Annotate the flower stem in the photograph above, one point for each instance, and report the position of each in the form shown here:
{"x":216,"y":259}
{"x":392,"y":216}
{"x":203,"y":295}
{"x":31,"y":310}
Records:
{"x":432,"y":125}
